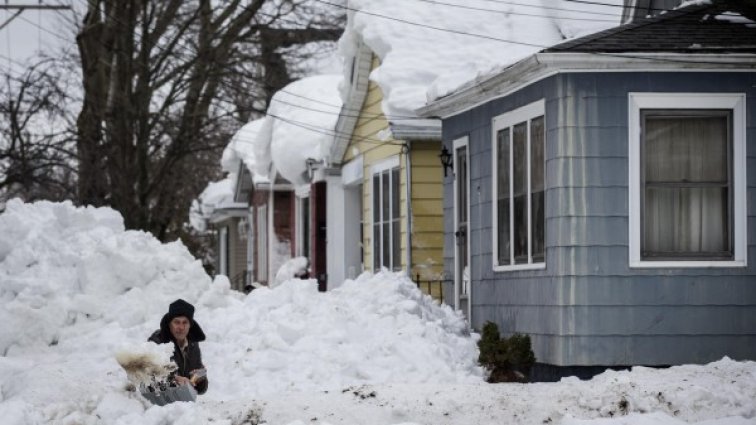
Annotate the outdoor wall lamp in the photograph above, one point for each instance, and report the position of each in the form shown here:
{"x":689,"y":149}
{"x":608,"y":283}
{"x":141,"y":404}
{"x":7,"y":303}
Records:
{"x":446,"y":159}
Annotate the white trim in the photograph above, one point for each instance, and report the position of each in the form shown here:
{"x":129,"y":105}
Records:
{"x":457,"y":144}
{"x":352,"y":172}
{"x":377,"y":168}
{"x":503,"y":121}
{"x":251,"y":241}
{"x":733,"y":101}
{"x":386,"y":164}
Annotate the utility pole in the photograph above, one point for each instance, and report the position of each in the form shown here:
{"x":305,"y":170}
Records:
{"x":21,"y":7}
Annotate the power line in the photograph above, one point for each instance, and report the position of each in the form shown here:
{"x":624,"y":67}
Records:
{"x":587,"y":12}
{"x":459,"y":6}
{"x":487,"y":37}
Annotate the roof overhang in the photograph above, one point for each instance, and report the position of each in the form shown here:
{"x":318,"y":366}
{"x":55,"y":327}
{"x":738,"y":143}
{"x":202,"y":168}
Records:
{"x":244,"y":183}
{"x":542,"y":65}
{"x":228,"y":210}
{"x":350,"y":110}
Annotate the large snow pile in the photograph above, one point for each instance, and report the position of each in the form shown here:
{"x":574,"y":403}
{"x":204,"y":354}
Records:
{"x":77,"y":291}
{"x":76,"y":288}
{"x":427,"y":48}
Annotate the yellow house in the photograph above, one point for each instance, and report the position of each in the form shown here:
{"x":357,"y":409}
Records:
{"x":385,"y":187}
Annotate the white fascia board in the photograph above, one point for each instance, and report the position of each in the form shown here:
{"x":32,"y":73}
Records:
{"x":226,"y":211}
{"x":542,"y":65}
{"x":350,"y":109}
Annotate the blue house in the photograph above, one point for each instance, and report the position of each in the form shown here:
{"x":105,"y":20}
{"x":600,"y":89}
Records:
{"x":603,"y":199}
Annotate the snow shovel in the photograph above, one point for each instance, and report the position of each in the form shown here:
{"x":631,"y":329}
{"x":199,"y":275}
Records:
{"x":163,"y":395}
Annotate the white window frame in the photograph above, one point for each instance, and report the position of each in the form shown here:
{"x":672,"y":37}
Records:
{"x":509,"y":119}
{"x":732,"y":101}
{"x":387,"y":164}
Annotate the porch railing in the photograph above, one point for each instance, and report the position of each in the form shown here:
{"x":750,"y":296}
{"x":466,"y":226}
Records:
{"x":432,"y":287}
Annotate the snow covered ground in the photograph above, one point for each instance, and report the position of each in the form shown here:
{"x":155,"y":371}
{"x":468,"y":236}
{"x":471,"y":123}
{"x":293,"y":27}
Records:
{"x":76,"y":288}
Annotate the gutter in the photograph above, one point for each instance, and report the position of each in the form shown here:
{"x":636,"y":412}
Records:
{"x":426,"y":130}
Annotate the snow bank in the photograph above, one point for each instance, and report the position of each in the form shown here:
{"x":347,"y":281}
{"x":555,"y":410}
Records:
{"x":374,"y":329}
{"x":64,"y":267}
{"x":75,"y":288}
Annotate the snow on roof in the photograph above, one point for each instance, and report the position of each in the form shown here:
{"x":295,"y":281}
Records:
{"x":250,"y":146}
{"x":429,"y":48}
{"x":216,"y":196}
{"x":303,"y":116}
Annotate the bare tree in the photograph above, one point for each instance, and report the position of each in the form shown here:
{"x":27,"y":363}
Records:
{"x":165,"y":83}
{"x":36,"y":148}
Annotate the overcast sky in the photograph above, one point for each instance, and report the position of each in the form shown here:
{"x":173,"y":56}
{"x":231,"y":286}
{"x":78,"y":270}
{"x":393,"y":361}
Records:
{"x":33,"y":31}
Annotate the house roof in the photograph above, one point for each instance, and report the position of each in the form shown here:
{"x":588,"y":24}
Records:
{"x":720,"y":27}
{"x":429,"y":48}
{"x":702,"y":36}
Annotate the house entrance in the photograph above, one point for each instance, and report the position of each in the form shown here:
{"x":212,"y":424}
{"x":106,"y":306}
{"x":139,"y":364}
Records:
{"x":461,"y":214}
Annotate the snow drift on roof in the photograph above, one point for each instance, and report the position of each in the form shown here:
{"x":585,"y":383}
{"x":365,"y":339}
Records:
{"x":303,"y":116}
{"x":429,"y":48}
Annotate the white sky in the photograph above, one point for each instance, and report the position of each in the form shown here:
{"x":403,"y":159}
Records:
{"x":34,"y":31}
{"x":76,"y":289}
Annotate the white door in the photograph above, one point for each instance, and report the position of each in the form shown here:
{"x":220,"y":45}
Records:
{"x":461,"y":226}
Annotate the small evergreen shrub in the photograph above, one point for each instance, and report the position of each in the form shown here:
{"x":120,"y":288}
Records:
{"x":506,"y":359}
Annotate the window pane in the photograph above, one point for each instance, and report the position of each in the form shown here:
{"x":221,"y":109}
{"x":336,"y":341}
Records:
{"x":503,"y":197}
{"x":462,"y":184}
{"x":537,"y":186}
{"x":686,"y":221}
{"x":376,"y":198}
{"x":377,"y":247}
{"x":689,"y":149}
{"x":386,"y":196}
{"x":520,"y":186}
{"x":394,"y":193}
{"x":386,"y":240}
{"x":396,"y":260}
{"x":686,"y":211}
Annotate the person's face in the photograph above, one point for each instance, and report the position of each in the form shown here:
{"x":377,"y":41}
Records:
{"x":180,"y":328}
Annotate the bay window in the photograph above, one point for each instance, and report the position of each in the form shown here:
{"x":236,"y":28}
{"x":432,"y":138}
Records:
{"x":519,"y":188}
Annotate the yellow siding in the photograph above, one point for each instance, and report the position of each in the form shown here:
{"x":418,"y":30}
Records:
{"x":427,"y":214}
{"x":369,"y":141}
{"x":374,"y":148}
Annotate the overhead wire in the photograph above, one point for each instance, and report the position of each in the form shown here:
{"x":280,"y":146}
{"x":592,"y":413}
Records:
{"x":393,"y":118}
{"x":509,"y":12}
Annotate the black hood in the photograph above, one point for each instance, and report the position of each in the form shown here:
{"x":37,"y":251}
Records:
{"x":176,"y":309}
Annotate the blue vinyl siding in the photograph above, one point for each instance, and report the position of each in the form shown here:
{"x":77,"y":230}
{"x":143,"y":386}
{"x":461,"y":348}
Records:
{"x":588,"y":307}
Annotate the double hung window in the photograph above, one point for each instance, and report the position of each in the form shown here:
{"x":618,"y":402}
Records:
{"x":386,"y":223}
{"x":687,"y":173}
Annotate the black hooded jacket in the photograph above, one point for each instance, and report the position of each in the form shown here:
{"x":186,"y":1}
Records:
{"x":193,"y":358}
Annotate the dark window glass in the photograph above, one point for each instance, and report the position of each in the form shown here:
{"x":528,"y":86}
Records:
{"x":520,"y":188}
{"x":503,"y":197}
{"x":537,"y":189}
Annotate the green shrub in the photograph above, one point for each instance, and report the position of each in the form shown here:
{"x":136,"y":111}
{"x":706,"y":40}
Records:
{"x":506,"y":359}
